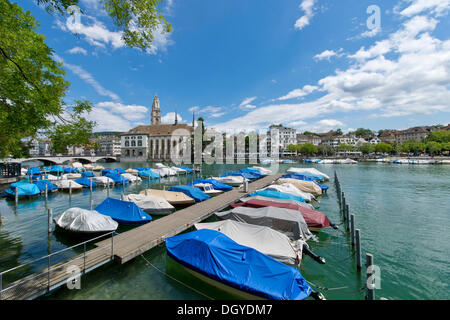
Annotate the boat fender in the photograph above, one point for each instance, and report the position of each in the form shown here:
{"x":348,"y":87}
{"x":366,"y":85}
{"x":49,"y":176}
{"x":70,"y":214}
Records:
{"x":317,"y":295}
{"x":334,"y":226}
{"x":315,"y":257}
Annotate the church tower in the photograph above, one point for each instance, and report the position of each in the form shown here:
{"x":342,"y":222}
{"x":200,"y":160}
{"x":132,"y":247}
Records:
{"x":156,"y":111}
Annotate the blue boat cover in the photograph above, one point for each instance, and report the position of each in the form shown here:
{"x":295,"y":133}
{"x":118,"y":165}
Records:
{"x":87,"y":174}
{"x":143,"y":169}
{"x":304,"y":176}
{"x":215,"y":184}
{"x":120,"y":170}
{"x":78,"y":170}
{"x":276,"y":195}
{"x":254,"y":172}
{"x":189,"y":170}
{"x":70,"y":170}
{"x":24,"y":188}
{"x":118,"y":178}
{"x":123,"y":211}
{"x":216,"y":256}
{"x":34,"y":171}
{"x":86,"y":182}
{"x":149,"y":174}
{"x":193,"y":192}
{"x":41,"y":185}
{"x":106,"y":171}
{"x":56,"y":169}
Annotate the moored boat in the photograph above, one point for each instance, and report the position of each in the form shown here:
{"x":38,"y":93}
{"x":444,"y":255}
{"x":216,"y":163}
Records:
{"x":83,"y":221}
{"x":124,"y":212}
{"x":177,"y":199}
{"x":150,"y":204}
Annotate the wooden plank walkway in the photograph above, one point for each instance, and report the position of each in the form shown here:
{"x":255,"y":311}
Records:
{"x":133,"y":243}
{"x":127,"y":245}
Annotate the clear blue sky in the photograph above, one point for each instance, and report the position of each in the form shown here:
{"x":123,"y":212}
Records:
{"x":244,"y":64}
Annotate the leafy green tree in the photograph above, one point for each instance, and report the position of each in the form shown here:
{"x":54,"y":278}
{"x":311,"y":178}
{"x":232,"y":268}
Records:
{"x":292,"y":148}
{"x":308,"y":149}
{"x":433,"y":147}
{"x":445,"y":146}
{"x":138,"y":19}
{"x":383,"y":148}
{"x":345,"y":147}
{"x":366,"y":148}
{"x":439,"y":136}
{"x":325,"y":150}
{"x":338,"y":132}
{"x":365,"y":133}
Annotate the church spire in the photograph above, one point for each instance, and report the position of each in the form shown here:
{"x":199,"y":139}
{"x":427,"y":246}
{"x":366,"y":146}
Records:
{"x":156,"y":111}
{"x":176,"y":119}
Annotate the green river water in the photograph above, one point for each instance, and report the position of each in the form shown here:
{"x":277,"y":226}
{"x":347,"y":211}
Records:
{"x":402,"y":211}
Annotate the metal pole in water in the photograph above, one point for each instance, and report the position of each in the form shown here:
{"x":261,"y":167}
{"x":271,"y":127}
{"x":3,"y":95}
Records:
{"x":16,"y":198}
{"x":352,"y":229}
{"x":369,"y":272}
{"x":50,"y":215}
{"x":107,"y":189}
{"x":92,"y":204}
{"x":347,"y":218}
{"x":46,"y":192}
{"x":70,"y":190}
{"x":358,"y":248}
{"x":90,"y":187}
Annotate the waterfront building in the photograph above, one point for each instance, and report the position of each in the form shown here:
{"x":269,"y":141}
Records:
{"x":110,"y":146}
{"x":41,"y":147}
{"x":335,"y":141}
{"x":154,"y":142}
{"x":417,"y":134}
{"x":286,"y":137}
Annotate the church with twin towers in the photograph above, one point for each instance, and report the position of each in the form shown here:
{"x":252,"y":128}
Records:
{"x":156,"y":141}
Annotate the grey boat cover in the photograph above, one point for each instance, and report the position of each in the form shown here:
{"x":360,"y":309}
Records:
{"x":303,"y":204}
{"x":289,"y":222}
{"x":85,"y":221}
{"x":264,"y":239}
{"x":150,"y":204}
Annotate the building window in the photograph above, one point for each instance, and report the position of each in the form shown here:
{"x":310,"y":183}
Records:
{"x":127,"y":143}
{"x":139,"y":143}
{"x":133,"y":143}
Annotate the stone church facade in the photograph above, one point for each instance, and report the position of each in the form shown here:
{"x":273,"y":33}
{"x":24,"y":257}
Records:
{"x":155,"y":142}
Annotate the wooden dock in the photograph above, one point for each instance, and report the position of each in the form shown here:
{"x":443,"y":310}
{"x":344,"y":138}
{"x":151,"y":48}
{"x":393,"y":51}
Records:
{"x":126,"y":246}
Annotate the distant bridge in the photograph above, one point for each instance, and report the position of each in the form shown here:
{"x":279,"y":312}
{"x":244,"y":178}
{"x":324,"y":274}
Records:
{"x":68,"y":159}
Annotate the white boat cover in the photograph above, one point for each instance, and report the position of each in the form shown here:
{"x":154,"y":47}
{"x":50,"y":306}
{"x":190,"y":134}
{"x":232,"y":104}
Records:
{"x":163,"y":172}
{"x":263,"y":170}
{"x":347,"y":161}
{"x":160,"y":166}
{"x":98,"y":168}
{"x":131,"y":177}
{"x":150,"y":204}
{"x":71,"y":176}
{"x":305,"y":186}
{"x":88,"y":166}
{"x":326,"y":161}
{"x":51,"y":177}
{"x":178,"y":170}
{"x":66,"y":184}
{"x":290,"y":189}
{"x":230,"y":179}
{"x":308,"y":170}
{"x":85,"y":221}
{"x":103,"y":180}
{"x":289,"y":222}
{"x":263,"y":239}
{"x":76,"y":165}
{"x":132,"y":171}
{"x":303,"y":204}
{"x":23,"y":171}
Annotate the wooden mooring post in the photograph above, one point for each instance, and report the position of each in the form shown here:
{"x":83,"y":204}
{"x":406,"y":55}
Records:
{"x":347,"y":218}
{"x":16,"y":196}
{"x":352,"y":229}
{"x":50,"y":217}
{"x":358,"y":248}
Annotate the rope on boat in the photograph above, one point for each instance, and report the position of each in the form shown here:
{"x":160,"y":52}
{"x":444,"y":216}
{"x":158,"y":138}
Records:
{"x":184,"y":284}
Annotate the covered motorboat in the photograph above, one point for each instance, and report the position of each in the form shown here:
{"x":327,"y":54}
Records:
{"x":71,"y":176}
{"x":215,"y":184}
{"x":208,"y":189}
{"x":188,"y":170}
{"x":66,"y":185}
{"x":303,"y":204}
{"x":88,"y":167}
{"x":51,"y":177}
{"x":312,"y":171}
{"x":276,"y":195}
{"x":241,"y":271}
{"x":233,"y":181}
{"x":42,"y":183}
{"x":148,"y":174}
{"x":86,"y":182}
{"x":117,"y":178}
{"x":24,"y":189}
{"x":132,"y":171}
{"x":85,"y":221}
{"x":315,"y":220}
{"x":124,"y":212}
{"x":98,"y":168}
{"x":56,"y":170}
{"x":34,"y":171}
{"x":131,"y":177}
{"x":150,"y":204}
{"x":174,"y":198}
{"x":87,"y":174}
{"x":264,"y":239}
{"x":193,"y":192}
{"x":103,"y":181}
{"x":304,"y":186}
{"x":263,"y":170}
{"x":283,"y":220}
{"x":119,"y":171}
{"x":162,"y":172}
{"x":76,"y":165}
{"x":290,"y":189}
{"x":178,"y":170}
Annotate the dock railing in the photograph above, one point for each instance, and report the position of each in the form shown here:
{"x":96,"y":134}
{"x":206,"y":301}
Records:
{"x":57,"y":269}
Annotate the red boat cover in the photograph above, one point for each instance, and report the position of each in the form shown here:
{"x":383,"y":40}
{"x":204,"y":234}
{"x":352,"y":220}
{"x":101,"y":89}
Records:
{"x":313,"y":218}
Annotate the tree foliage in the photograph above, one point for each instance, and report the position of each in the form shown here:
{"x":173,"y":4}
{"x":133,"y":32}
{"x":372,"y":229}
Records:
{"x":383,"y":148}
{"x":365,"y":133}
{"x":308,"y":149}
{"x":137,"y":19}
{"x":32,"y":84}
{"x":439,"y":136}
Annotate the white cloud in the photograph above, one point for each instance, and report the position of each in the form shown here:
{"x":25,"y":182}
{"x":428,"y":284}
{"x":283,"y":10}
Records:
{"x":130,"y":112}
{"x":88,"y":78}
{"x":438,"y":7}
{"x":328,"y":54}
{"x":308,"y":8}
{"x":245,"y":105}
{"x":407,"y":73}
{"x":298,"y":93}
{"x":77,"y":50}
{"x":169,"y":118}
